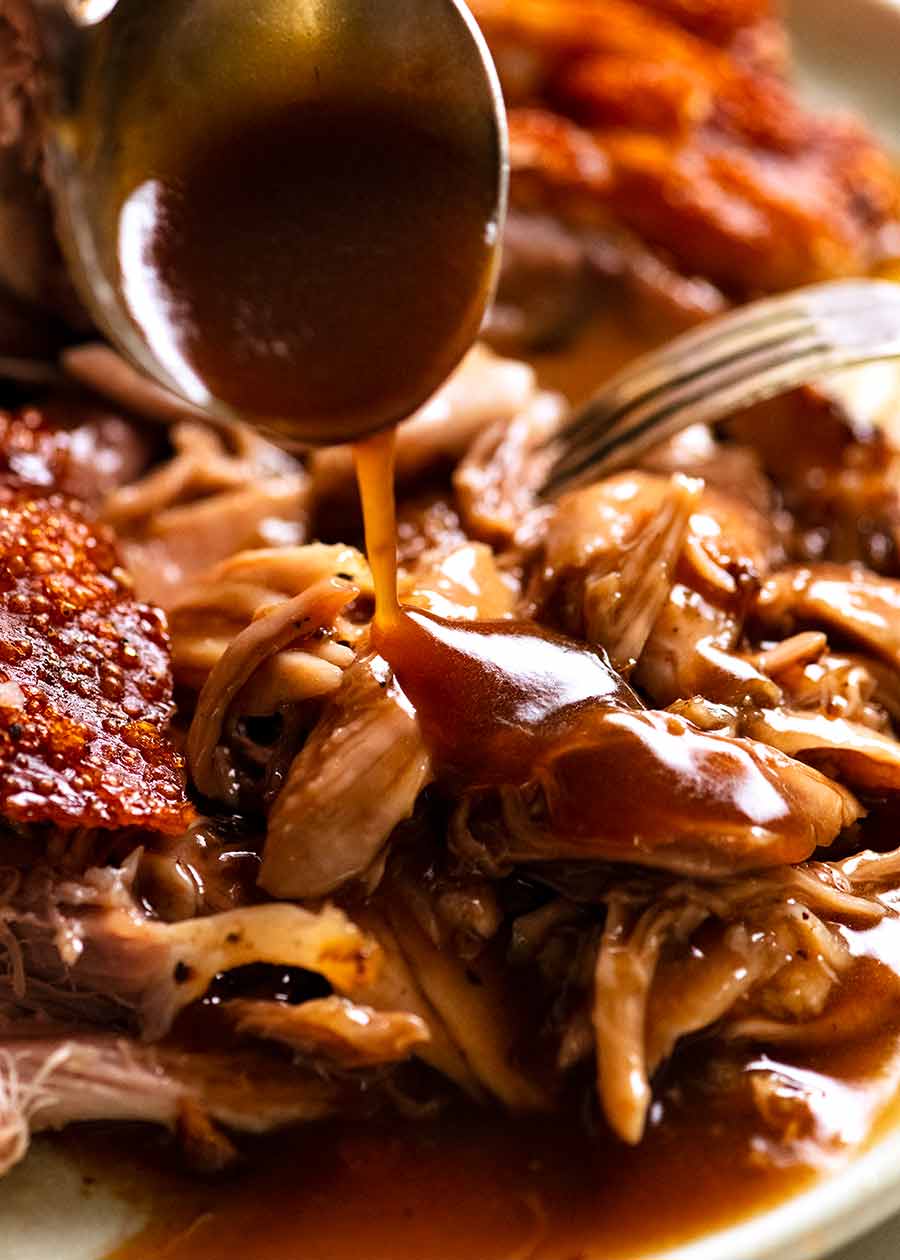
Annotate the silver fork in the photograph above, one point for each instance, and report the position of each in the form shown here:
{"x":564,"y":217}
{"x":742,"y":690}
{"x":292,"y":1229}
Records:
{"x":756,"y":352}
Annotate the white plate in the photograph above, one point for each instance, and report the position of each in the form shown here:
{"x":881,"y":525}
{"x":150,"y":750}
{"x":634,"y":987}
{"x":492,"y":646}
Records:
{"x":847,"y":53}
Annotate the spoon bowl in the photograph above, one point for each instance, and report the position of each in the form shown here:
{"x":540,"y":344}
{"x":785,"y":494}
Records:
{"x":352,"y":223}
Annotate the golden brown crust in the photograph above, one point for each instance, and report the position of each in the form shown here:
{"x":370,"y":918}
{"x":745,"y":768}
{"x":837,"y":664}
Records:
{"x":718,"y":21}
{"x":628,"y":121}
{"x":85,"y":681}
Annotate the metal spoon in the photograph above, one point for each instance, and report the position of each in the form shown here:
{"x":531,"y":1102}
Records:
{"x":131,"y":76}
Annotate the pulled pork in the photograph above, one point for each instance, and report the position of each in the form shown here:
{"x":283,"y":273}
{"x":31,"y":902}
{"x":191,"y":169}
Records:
{"x":520,"y":942}
{"x":223,"y":825}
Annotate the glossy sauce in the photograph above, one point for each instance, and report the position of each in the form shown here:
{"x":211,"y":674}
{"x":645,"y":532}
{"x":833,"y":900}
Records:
{"x":237,"y":256}
{"x":471,"y":1187}
{"x":238,"y":259}
{"x":475,"y":1185}
{"x":512,"y":703}
{"x":488,"y":694}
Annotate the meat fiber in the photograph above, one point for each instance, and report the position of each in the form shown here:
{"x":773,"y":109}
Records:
{"x":49,"y":1082}
{"x":91,"y":936}
{"x":358,"y":775}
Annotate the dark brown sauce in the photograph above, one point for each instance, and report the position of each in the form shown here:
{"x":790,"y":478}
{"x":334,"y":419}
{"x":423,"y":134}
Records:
{"x":475,"y":1188}
{"x":478,"y":1184}
{"x":468,"y":1187}
{"x":482,"y":1186}
{"x":237,"y":257}
{"x":510,"y":703}
{"x":489,"y":695}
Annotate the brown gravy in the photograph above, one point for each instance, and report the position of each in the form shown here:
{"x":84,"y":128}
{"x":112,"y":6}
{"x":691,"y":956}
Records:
{"x":237,"y":256}
{"x":485,"y":1186}
{"x":469,"y":1187}
{"x":491,"y":696}
{"x":251,"y":304}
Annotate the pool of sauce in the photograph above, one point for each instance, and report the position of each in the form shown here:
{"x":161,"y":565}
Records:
{"x":480,"y":1185}
{"x":467,"y":1187}
{"x":476,"y":1184}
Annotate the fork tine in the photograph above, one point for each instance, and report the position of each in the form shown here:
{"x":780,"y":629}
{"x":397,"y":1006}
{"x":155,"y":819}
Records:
{"x":735,"y":336}
{"x":644,"y":426}
{"x":813,"y":300}
{"x":609,"y":453}
{"x":604,"y":426}
{"x":611,"y":449}
{"x":651,"y":381}
{"x":852,"y":335}
{"x":841,"y":331}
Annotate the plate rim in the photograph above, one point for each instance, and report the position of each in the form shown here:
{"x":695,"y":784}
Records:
{"x":840,"y":1207}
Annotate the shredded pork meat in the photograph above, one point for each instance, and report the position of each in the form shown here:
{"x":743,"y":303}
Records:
{"x":781,"y":683}
{"x":236,"y":890}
